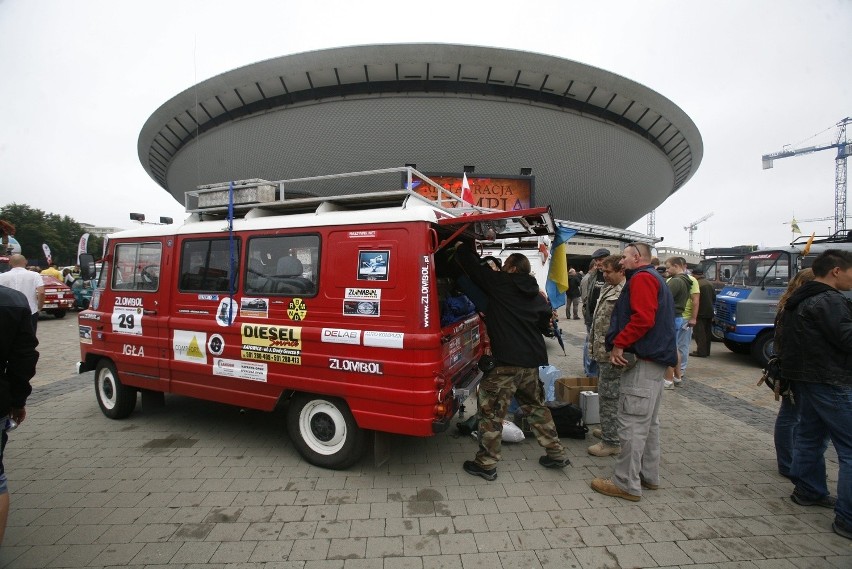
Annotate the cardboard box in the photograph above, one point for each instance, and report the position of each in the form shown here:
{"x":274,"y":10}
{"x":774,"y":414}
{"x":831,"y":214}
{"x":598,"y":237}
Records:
{"x":568,"y":388}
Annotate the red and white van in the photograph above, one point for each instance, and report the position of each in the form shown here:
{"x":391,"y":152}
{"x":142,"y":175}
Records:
{"x":330,"y":304}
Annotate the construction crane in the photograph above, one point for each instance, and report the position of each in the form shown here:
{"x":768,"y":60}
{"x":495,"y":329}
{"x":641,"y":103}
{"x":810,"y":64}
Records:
{"x":692,"y":227}
{"x":652,"y":223}
{"x":844,"y":150}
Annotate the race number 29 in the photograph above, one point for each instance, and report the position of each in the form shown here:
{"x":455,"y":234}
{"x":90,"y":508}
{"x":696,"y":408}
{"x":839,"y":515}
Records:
{"x":127,"y":320}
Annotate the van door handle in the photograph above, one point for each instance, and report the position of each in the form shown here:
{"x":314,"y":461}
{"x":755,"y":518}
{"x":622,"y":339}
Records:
{"x":149,"y":312}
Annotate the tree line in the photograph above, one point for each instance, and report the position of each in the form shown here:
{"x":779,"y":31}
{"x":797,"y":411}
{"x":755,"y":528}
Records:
{"x":61,"y":233}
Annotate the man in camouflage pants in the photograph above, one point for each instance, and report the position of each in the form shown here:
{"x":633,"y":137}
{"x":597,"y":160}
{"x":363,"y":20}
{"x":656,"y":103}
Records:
{"x":517,"y":316}
{"x":609,"y":376}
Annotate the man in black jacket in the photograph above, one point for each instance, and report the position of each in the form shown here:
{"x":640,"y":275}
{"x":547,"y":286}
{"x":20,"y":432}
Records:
{"x":816,"y":354}
{"x":18,"y":357}
{"x":518,"y":315}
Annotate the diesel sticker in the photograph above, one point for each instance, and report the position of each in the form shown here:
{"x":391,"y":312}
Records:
{"x":276,"y":344}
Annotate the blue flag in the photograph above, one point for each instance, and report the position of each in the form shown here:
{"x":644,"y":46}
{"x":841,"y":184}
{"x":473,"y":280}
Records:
{"x":557,"y":276}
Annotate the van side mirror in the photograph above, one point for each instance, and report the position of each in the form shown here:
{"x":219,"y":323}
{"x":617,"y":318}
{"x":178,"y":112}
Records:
{"x":87,"y":266}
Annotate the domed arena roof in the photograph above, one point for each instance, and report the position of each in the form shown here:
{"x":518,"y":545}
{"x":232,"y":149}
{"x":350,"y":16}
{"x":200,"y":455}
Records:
{"x":603,"y":149}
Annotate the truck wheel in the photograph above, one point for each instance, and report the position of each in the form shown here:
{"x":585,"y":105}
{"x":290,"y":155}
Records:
{"x":116,"y":400}
{"x":59,"y":313}
{"x":716,"y":336}
{"x":324,"y":431}
{"x":763,"y":347}
{"x":737,"y":347}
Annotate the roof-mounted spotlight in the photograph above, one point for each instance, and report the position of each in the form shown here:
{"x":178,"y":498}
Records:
{"x":166,"y":220}
{"x":140,"y":217}
{"x":526,"y":171}
{"x":469,"y":169}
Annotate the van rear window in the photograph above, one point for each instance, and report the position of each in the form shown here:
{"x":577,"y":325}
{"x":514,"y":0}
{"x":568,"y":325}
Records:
{"x":283,"y":264}
{"x":137,"y":266}
{"x":205,"y":265}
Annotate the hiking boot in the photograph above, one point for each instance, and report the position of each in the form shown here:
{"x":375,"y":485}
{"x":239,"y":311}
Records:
{"x":597,"y":433}
{"x":603,"y":449}
{"x":668,"y":384}
{"x":607,"y":488}
{"x":473,"y":468}
{"x":841,"y":528}
{"x":548,"y":462}
{"x":647,"y":485}
{"x":822,"y":501}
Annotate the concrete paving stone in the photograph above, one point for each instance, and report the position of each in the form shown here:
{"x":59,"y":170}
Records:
{"x":227,"y":531}
{"x":722,"y":510}
{"x":215,"y":485}
{"x":692,"y":510}
{"x":663,"y":531}
{"x":418,"y":545}
{"x":321,"y":512}
{"x":600,"y":516}
{"x":233,"y":552}
{"x":386,"y":510}
{"x":363,"y":563}
{"x":289,"y":513}
{"x":46,"y":535}
{"x":298,"y":530}
{"x":192,"y":532}
{"x":630,"y":555}
{"x":770,"y":547}
{"x":194,"y":552}
{"x":218,"y":499}
{"x":493,"y":541}
{"x":403,"y":563}
{"x":333,"y":529}
{"x":735,"y":549}
{"x":30,"y":559}
{"x":481,"y":561}
{"x":347,"y":548}
{"x":730,"y":527}
{"x":310,"y":549}
{"x":568,"y":519}
{"x":695,"y":529}
{"x":387,"y":481}
{"x":384,"y":546}
{"x":504,"y":522}
{"x":118,"y":554}
{"x":223,"y":514}
{"x":667,"y":553}
{"x":340,"y":496}
{"x":791,"y":524}
{"x":156,"y":553}
{"x":272,"y":552}
{"x":438,"y":525}
{"x":400,"y":494}
{"x":535,"y":520}
{"x":257,"y":514}
{"x":528,"y":540}
{"x":367,"y":528}
{"x":557,"y":558}
{"x":189,"y":514}
{"x":833,"y":543}
{"x":83,"y":534}
{"x":457,"y":543}
{"x":187,"y":499}
{"x":252,"y":498}
{"x":481,"y":506}
{"x":441,"y":562}
{"x":702,"y":551}
{"x":156,"y":532}
{"x":595,"y":558}
{"x":525,"y":559}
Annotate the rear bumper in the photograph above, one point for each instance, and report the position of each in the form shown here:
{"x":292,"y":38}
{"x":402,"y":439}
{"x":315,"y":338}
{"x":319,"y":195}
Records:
{"x":461,"y":391}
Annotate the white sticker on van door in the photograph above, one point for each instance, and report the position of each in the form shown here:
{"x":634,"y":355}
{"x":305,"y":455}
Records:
{"x":190,"y":346}
{"x":127,"y":320}
{"x":236,"y":368}
{"x":227,"y":312}
{"x":383,"y":339}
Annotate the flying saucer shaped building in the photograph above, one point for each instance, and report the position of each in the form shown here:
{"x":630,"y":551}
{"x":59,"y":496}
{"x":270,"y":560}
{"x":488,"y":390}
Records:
{"x":603,"y":149}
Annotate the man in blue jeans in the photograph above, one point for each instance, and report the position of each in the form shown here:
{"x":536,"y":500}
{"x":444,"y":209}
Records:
{"x":816,"y":354}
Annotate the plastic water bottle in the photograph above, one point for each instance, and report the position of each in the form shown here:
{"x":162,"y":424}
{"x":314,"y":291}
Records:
{"x":9,"y":424}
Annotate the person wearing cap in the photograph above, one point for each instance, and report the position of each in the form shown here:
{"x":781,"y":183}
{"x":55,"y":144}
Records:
{"x":704,"y":322}
{"x":594,"y":283}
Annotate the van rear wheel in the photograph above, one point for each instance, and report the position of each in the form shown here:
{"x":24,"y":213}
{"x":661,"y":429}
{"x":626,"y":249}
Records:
{"x":763,"y":347}
{"x":115,"y":399}
{"x":324,"y":431}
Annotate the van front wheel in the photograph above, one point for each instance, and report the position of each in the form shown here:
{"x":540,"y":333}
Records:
{"x":324,"y":431}
{"x":115,"y":399}
{"x":763,"y":347}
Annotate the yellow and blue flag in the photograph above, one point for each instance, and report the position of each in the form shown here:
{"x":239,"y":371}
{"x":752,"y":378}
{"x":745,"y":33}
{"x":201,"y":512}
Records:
{"x":557,"y":276}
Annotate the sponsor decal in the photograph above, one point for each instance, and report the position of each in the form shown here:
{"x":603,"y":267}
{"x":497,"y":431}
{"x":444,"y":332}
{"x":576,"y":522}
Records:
{"x":89,"y":316}
{"x":425,"y":289}
{"x":227,"y":312}
{"x":373,"y":265}
{"x":131,"y":350}
{"x":357,"y":366}
{"x":127,"y":320}
{"x":208,"y":297}
{"x":363,"y":294}
{"x":236,"y":368}
{"x":341,"y":336}
{"x":85,"y":334}
{"x":255,"y":307}
{"x":126,"y":301}
{"x":383,"y":339}
{"x":192,"y":311}
{"x":216,"y":345}
{"x":189,"y":346}
{"x":269,"y":343}
{"x":297,"y":310}
{"x":361,"y":234}
{"x":360,"y":308}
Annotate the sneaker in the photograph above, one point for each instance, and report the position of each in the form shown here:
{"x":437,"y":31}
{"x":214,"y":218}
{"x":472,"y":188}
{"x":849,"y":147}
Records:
{"x":603,"y":449}
{"x":548,"y":462}
{"x":647,"y":485}
{"x":597,"y":433}
{"x":473,"y":468}
{"x":822,"y":501}
{"x":841,"y":529}
{"x":678,"y":382}
{"x":607,"y":488}
{"x":668,"y":384}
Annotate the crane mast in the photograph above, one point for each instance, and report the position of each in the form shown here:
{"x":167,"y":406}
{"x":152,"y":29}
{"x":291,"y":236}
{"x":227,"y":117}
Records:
{"x":692,"y":227}
{"x":844,"y":150}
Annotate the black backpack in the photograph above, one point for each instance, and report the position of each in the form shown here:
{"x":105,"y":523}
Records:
{"x":568,"y":419}
{"x":771,"y":377}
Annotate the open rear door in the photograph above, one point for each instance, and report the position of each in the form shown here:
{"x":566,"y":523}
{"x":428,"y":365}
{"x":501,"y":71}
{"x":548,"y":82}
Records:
{"x":489,"y":226}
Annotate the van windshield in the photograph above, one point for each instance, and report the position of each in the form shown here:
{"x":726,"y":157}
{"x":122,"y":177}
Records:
{"x":771,"y":268}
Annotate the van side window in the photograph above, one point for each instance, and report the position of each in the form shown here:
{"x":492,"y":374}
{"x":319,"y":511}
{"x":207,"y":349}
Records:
{"x":284,"y":264}
{"x":205,"y":265}
{"x":136,"y":266}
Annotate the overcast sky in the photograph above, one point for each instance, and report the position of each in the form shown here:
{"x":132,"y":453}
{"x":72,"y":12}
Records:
{"x":80,"y":78}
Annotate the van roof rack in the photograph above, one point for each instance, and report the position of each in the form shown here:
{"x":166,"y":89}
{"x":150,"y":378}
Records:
{"x":837,"y":237}
{"x":357,"y":190}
